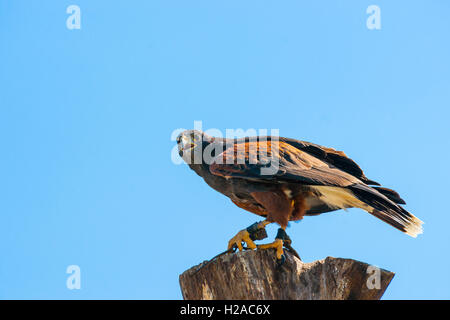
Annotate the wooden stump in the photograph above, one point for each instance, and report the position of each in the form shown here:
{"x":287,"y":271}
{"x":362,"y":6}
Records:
{"x":255,"y":275}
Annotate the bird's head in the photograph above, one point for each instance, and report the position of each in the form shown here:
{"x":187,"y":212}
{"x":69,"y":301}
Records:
{"x":191,"y":143}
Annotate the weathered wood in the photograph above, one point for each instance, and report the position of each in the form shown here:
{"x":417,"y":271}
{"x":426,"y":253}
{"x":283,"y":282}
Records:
{"x":255,"y":275}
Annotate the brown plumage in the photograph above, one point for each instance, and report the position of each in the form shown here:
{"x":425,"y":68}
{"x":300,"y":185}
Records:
{"x":307,"y":179}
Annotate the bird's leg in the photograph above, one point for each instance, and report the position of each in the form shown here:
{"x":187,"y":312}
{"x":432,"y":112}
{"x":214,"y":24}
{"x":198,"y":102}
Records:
{"x":287,"y":243}
{"x":281,"y":239}
{"x":256,"y":231}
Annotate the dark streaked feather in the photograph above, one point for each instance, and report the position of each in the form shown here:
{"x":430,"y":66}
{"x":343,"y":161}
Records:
{"x":337,"y":158}
{"x":387,"y":210}
{"x":294,"y":165}
{"x":391,"y":194}
{"x":329,"y":155}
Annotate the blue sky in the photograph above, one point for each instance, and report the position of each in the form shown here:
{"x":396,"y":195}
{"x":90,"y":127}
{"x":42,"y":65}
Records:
{"x":86,"y":118}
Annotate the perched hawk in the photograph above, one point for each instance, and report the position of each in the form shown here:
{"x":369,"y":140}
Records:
{"x":284,"y":180}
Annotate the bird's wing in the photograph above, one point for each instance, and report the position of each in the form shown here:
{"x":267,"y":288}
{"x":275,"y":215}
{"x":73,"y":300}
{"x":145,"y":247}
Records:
{"x":329,"y":155}
{"x":335,"y":157}
{"x":253,"y":160}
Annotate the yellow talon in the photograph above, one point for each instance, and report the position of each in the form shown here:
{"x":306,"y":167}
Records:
{"x":241,"y":236}
{"x":277,"y":244}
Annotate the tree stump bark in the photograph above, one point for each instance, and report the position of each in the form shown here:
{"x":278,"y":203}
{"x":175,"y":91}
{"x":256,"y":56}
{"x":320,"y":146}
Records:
{"x":254,"y":275}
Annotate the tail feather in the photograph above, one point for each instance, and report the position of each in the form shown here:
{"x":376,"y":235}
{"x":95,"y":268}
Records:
{"x":391,"y":194}
{"x":384,"y":207}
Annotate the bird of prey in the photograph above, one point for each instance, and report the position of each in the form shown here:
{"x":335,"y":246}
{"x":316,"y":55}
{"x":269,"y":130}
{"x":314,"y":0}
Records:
{"x":307,"y":180}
